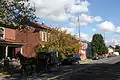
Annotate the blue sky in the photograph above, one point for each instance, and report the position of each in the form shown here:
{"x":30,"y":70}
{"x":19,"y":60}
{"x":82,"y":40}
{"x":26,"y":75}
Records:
{"x":108,"y":10}
{"x":96,"y":16}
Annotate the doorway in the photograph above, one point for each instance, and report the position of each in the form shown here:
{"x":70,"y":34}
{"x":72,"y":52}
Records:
{"x":11,"y":52}
{"x":2,"y":52}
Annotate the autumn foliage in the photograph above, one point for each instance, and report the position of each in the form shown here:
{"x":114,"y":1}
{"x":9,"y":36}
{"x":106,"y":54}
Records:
{"x":61,"y":42}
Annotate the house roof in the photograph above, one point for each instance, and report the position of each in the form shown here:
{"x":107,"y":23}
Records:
{"x":37,"y":25}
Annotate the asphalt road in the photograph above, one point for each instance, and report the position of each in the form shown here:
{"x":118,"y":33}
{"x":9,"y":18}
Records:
{"x":104,"y":69}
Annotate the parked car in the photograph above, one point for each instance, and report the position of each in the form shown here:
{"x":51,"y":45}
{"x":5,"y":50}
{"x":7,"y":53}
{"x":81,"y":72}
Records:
{"x":71,"y":59}
{"x":111,"y":55}
{"x":95,"y":58}
{"x":116,"y":53}
{"x":76,"y":58}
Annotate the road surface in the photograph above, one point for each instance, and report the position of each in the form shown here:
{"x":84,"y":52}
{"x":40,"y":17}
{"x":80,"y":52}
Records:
{"x":104,"y":69}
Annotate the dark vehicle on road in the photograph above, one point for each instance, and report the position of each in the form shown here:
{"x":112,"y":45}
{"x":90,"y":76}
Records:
{"x":76,"y":58}
{"x":95,"y":58}
{"x":98,"y":57}
{"x":71,"y":59}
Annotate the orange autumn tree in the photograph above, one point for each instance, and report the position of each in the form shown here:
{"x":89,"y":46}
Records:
{"x":61,"y":42}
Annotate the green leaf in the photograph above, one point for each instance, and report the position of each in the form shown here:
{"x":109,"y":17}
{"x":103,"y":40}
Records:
{"x":98,"y":45}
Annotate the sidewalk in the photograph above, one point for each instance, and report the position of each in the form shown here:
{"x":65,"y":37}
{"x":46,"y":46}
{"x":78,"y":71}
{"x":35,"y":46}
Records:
{"x":104,"y":60}
{"x":87,"y":61}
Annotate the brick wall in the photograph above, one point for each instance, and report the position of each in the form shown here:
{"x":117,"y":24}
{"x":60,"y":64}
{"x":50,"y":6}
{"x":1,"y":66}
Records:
{"x":30,"y":39}
{"x":83,"y":50}
{"x":10,"y":34}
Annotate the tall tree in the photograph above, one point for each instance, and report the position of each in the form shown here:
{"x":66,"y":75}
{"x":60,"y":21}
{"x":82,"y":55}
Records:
{"x":16,"y":13}
{"x":98,"y":45}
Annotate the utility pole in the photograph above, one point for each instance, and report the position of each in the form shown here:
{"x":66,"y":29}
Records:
{"x":79,"y":27}
{"x":104,"y":36}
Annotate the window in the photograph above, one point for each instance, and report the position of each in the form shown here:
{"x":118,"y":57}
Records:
{"x":2,"y":33}
{"x":44,"y":36}
{"x":49,"y":36}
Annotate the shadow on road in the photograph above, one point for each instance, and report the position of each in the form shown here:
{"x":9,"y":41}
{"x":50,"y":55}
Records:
{"x":101,"y":71}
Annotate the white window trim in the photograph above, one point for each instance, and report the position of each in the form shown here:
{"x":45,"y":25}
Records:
{"x":3,"y":33}
{"x":44,"y":36}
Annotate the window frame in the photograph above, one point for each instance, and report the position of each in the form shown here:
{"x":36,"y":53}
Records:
{"x":44,"y":36}
{"x":2,"y":33}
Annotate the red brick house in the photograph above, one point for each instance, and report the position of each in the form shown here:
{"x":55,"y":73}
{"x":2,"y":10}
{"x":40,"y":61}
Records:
{"x":8,"y":42}
{"x":13,"y":40}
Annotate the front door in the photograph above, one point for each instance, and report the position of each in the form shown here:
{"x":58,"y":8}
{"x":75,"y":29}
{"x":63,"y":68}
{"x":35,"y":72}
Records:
{"x":11,"y":52}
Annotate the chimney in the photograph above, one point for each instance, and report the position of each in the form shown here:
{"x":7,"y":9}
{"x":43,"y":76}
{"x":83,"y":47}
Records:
{"x":43,"y":23}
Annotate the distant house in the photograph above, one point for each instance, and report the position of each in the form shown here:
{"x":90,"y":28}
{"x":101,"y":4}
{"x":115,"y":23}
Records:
{"x":110,"y":50}
{"x":13,"y":40}
{"x":88,"y":50}
{"x":85,"y":51}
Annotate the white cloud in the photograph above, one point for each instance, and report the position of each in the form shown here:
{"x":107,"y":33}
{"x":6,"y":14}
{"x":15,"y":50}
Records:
{"x":116,"y":35}
{"x":84,"y":19}
{"x":107,"y":26}
{"x":112,"y":42}
{"x":73,"y":19}
{"x":59,"y":17}
{"x":55,"y":10}
{"x":84,"y":36}
{"x":69,"y":30}
{"x":109,"y":42}
{"x":83,"y":23}
{"x":116,"y":42}
{"x":73,"y":24}
{"x":98,"y":18}
{"x":89,"y":19}
{"x":79,"y":8}
{"x":117,"y":30}
{"x":82,"y":2}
